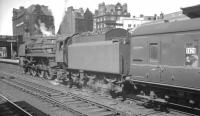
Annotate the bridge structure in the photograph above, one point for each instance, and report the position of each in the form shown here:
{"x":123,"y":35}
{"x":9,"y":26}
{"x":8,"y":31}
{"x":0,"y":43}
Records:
{"x":9,"y":46}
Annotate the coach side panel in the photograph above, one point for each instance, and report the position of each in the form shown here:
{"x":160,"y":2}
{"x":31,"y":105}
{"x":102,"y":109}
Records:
{"x":180,"y":60}
{"x":167,"y":59}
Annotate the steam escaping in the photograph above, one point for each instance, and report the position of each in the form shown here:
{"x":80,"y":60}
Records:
{"x":44,"y":30}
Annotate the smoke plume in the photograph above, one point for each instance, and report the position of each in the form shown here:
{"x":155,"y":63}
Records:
{"x":45,"y":31}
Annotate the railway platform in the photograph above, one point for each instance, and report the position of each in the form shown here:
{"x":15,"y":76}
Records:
{"x":10,"y":61}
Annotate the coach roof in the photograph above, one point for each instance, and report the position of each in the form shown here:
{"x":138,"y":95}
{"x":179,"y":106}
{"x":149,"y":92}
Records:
{"x":168,"y":27}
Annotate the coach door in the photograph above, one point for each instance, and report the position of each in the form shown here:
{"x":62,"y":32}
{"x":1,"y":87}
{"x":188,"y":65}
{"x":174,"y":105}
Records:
{"x":154,"y":60}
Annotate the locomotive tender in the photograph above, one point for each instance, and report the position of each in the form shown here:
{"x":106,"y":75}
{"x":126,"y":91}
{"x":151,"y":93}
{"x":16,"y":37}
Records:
{"x":163,"y":58}
{"x":98,"y":57}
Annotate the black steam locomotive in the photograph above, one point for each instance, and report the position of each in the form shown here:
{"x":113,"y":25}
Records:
{"x":161,"y":58}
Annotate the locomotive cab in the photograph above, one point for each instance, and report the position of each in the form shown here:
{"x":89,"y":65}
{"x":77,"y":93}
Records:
{"x":61,"y":52}
{"x":62,"y":49}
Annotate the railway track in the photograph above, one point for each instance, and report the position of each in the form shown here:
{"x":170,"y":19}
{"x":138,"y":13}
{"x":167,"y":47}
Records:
{"x":70,"y":101}
{"x":67,"y":101}
{"x":9,"y":108}
{"x":184,"y":109}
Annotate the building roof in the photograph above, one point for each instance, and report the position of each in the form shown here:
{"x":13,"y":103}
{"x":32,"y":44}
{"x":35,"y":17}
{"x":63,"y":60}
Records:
{"x":168,"y":27}
{"x":192,"y":12}
{"x":31,"y":9}
{"x":110,"y":8}
{"x":43,"y":8}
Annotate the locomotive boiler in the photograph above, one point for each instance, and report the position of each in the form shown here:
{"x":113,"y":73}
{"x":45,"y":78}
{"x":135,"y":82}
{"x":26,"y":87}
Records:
{"x":37,"y":54}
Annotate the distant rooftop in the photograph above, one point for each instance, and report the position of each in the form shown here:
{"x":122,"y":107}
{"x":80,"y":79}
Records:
{"x":31,"y":10}
{"x":192,"y":11}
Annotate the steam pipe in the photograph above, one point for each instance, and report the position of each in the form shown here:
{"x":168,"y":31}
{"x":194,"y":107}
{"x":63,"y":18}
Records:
{"x":70,"y":38}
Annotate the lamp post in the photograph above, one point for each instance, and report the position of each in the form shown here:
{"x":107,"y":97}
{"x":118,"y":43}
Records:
{"x":18,"y":26}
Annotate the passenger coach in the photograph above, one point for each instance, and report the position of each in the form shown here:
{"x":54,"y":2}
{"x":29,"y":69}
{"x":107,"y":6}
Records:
{"x":165,"y":60}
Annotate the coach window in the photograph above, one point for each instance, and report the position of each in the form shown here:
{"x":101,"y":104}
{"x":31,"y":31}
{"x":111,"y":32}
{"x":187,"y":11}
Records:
{"x":191,"y":54}
{"x":154,"y":52}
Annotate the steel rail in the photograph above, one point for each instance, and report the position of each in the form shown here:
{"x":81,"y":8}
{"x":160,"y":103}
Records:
{"x":46,"y":96}
{"x":15,"y":107}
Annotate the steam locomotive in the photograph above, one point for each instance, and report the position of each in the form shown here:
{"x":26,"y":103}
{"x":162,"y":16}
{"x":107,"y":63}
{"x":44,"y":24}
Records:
{"x":162,"y":57}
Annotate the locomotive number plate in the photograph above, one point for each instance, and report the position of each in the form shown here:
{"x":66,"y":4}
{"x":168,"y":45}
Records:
{"x":190,"y":50}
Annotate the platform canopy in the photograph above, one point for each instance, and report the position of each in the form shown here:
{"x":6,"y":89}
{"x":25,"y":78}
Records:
{"x":192,"y":12}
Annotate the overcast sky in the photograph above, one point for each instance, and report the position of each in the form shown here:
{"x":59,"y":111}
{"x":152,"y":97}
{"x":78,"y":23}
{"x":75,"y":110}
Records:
{"x":135,"y":7}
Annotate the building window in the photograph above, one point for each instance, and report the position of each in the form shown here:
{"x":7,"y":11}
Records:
{"x":118,"y":7}
{"x":191,"y":54}
{"x":112,"y":18}
{"x":119,"y":13}
{"x":101,"y":19}
{"x":154,"y":52}
{"x":129,"y":25}
{"x":61,"y":46}
{"x":27,"y":17}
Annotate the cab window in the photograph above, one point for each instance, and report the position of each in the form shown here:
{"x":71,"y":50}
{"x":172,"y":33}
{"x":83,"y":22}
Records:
{"x":61,"y":45}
